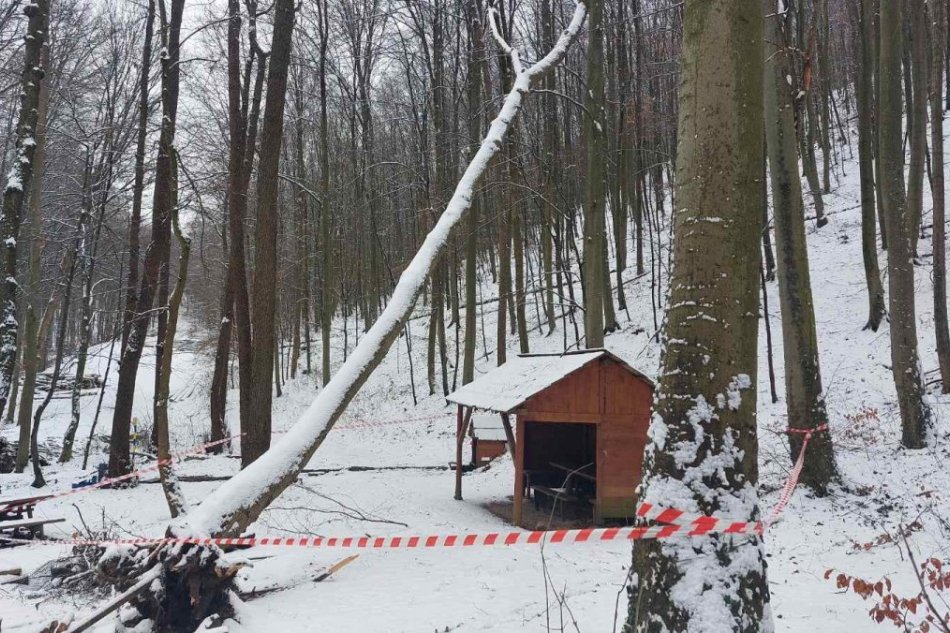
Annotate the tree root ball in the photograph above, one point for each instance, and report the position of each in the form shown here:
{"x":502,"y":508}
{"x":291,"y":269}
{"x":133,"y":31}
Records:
{"x":194,"y":585}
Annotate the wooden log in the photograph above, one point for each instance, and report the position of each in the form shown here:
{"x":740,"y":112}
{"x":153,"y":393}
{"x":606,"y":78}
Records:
{"x":143,"y":583}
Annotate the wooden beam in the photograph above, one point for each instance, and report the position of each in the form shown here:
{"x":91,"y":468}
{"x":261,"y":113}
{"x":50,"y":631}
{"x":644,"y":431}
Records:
{"x":509,"y":434}
{"x":519,"y":474}
{"x":461,"y":424}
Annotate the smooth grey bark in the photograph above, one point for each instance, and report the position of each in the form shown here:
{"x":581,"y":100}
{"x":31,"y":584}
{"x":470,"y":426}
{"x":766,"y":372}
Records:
{"x":702,"y":445}
{"x":864,"y":93}
{"x":905,"y":362}
{"x":805,"y":399}
{"x":938,"y":189}
{"x":595,"y":124}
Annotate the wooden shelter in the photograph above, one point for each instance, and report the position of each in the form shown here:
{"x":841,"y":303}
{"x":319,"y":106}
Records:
{"x":580,"y":427}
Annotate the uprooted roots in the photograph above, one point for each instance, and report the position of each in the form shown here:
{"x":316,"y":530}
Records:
{"x":193,"y":585}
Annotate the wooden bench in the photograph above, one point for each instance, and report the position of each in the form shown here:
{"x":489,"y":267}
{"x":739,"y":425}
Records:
{"x":14,"y":509}
{"x":24,"y":529}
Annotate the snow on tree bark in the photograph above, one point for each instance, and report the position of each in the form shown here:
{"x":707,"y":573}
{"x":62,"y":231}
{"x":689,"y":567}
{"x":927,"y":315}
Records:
{"x":702,"y":448}
{"x":241,"y":499}
{"x":18,"y":182}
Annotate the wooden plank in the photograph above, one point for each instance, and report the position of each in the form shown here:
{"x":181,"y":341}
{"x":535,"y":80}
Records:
{"x":19,"y":502}
{"x":461,"y":427}
{"x":519,"y":474}
{"x":145,"y":580}
{"x":24,"y":523}
{"x":509,"y":434}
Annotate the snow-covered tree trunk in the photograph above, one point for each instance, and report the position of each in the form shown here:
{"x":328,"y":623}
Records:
{"x":702,"y":450}
{"x":31,"y":339}
{"x":803,"y":388}
{"x":170,"y":485}
{"x":241,"y":499}
{"x":18,"y":182}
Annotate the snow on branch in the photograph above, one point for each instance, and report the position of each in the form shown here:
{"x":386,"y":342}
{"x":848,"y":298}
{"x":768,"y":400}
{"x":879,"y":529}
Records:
{"x":240,"y":500}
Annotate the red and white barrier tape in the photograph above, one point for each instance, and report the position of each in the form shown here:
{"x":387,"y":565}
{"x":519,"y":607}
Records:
{"x":673,"y":522}
{"x":369,"y":424}
{"x":796,"y":472}
{"x":703,"y":523}
{"x":571,"y":537}
{"x":196,"y":450}
{"x":199,"y":450}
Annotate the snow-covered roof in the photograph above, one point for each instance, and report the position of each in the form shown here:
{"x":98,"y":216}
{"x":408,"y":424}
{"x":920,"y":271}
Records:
{"x":508,"y":387}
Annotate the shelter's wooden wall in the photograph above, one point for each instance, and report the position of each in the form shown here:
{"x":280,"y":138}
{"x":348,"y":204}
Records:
{"x":578,"y":395}
{"x":607,"y":394}
{"x":621,"y":439}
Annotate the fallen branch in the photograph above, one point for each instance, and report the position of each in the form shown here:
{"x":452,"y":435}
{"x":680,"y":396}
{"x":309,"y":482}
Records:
{"x":143,"y":583}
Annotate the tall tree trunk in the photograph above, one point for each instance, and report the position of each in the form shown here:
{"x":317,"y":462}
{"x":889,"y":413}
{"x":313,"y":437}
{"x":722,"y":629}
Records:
{"x":242,"y":129}
{"x":31,"y":337}
{"x":476,"y":60}
{"x":864,"y":90}
{"x":327,"y":303}
{"x":138,"y":185}
{"x":905,"y":363}
{"x":594,"y":140}
{"x":120,"y":461}
{"x":702,"y":448}
{"x":170,"y":486}
{"x":18,"y":182}
{"x":917,"y":122}
{"x":804,"y":397}
{"x":257,"y":435}
{"x":938,"y":189}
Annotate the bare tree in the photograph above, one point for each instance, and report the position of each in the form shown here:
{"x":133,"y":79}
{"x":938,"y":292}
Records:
{"x":18,"y":183}
{"x":905,"y":363}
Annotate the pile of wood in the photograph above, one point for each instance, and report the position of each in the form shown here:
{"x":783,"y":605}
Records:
{"x":66,"y":384}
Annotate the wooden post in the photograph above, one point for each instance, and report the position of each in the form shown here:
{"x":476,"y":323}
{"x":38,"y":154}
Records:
{"x":461,"y":424}
{"x":509,"y":434}
{"x":519,"y":474}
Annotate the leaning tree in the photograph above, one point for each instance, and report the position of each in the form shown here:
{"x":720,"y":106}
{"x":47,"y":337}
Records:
{"x":193,"y":579}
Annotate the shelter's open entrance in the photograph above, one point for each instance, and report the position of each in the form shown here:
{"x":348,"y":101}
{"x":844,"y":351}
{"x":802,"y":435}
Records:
{"x":560,"y":466}
{"x":575,"y":424}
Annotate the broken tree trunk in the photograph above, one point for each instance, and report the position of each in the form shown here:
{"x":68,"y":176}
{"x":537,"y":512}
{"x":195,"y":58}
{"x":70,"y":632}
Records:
{"x":241,"y":500}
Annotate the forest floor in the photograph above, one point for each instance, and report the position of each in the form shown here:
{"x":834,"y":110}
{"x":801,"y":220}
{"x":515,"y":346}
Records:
{"x":564,"y":587}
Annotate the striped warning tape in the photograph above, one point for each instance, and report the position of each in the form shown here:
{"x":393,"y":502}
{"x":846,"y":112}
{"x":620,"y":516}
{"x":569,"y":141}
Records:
{"x":577,"y":536}
{"x":200,"y":449}
{"x":196,"y":450}
{"x":672,"y":516}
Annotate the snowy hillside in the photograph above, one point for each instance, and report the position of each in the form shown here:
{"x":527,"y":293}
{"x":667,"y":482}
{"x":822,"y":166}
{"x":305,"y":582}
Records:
{"x":407,"y":489}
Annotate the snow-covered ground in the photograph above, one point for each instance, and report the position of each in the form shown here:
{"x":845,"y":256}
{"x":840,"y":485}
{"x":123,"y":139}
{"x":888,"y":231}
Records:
{"x":578,"y":587}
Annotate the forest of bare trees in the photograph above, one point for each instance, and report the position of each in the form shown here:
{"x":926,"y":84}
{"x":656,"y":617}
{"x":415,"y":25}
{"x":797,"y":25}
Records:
{"x":270,"y":177}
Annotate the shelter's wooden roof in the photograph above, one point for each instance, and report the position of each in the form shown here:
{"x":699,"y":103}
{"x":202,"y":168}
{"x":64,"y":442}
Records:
{"x":506,"y":388}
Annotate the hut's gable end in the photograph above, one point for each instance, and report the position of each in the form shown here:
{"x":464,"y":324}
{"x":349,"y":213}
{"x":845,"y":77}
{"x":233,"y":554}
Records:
{"x":578,"y":393}
{"x":636,"y":390}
